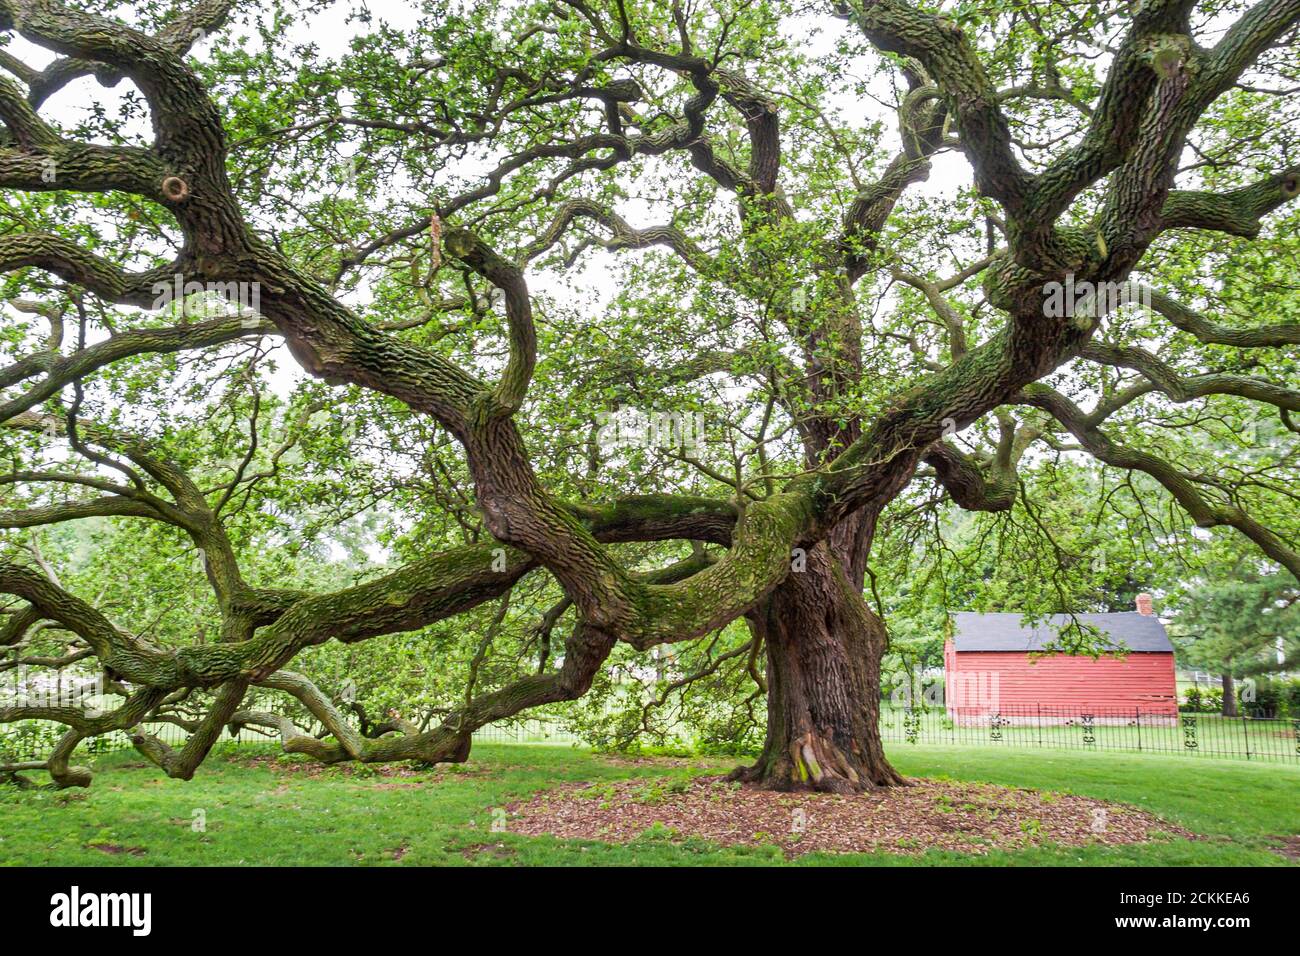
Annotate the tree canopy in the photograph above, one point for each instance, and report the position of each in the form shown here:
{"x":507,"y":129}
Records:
{"x":371,"y":375}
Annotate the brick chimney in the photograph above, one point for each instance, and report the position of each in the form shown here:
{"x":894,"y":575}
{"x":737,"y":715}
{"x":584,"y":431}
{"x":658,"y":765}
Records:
{"x":1144,"y":604}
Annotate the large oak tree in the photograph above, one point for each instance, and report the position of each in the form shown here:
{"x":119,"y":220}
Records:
{"x":482,"y":225}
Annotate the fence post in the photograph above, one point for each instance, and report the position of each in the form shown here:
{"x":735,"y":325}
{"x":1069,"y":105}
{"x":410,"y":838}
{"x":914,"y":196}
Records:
{"x":1040,"y":723}
{"x":1137,"y":716}
{"x":1245,"y":730}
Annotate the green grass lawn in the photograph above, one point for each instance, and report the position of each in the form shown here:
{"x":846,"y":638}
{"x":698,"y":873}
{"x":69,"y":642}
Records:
{"x":266,"y":814}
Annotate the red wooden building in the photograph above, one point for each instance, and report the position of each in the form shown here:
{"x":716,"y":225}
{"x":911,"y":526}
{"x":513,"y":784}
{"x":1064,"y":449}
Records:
{"x":994,"y":665}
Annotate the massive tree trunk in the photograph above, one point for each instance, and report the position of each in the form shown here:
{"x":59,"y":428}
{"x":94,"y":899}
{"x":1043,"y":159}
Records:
{"x":823,"y":643}
{"x":824,"y":646}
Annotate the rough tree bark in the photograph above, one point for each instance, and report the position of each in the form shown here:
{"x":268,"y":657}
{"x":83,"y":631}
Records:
{"x":1229,"y":693}
{"x":824,"y":646}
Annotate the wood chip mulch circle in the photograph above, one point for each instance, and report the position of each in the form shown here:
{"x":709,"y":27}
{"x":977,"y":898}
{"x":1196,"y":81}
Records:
{"x":932,"y":814}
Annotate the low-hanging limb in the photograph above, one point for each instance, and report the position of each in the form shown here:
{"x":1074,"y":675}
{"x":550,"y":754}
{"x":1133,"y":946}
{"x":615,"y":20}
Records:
{"x":450,"y":741}
{"x":81,"y":724}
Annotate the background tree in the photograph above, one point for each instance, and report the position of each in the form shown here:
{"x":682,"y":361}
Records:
{"x":1241,"y":622}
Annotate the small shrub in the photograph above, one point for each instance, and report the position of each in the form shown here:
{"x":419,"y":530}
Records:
{"x":1290,"y":694}
{"x":1267,"y":702}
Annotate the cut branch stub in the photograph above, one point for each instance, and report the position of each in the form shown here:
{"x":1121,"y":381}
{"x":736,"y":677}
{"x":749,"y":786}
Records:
{"x":1167,"y":53}
{"x":459,"y":242}
{"x":175,"y":189}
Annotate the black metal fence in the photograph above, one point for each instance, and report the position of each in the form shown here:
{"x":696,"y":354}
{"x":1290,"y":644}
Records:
{"x":1134,"y":730}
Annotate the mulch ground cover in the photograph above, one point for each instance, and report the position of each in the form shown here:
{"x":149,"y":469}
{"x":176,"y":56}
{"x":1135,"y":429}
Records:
{"x":930,"y":814}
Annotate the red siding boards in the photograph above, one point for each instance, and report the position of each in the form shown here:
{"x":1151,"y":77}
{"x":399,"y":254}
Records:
{"x":979,"y":683}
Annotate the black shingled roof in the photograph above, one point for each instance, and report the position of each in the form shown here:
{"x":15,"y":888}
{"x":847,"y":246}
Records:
{"x":1128,"y":630}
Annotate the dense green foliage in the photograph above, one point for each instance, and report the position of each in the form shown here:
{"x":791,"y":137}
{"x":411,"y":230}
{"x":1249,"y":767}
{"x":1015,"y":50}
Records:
{"x":612,"y":155}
